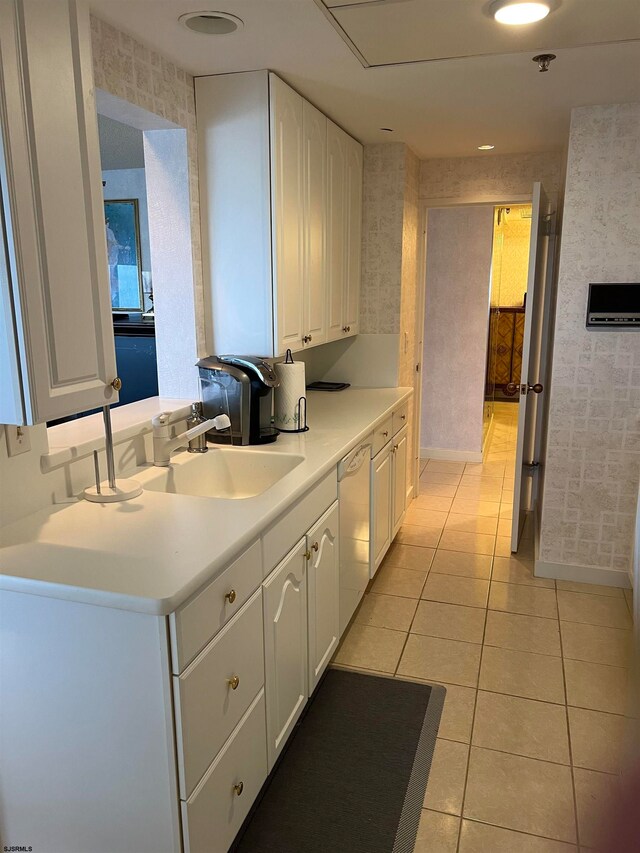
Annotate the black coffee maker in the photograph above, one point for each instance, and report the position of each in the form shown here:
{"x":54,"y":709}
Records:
{"x":240,"y":386}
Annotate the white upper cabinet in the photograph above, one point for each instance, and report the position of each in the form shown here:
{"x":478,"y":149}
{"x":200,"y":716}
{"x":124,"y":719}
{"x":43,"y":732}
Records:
{"x":314,"y":160}
{"x":58,"y":356}
{"x":336,"y":229}
{"x":287,"y":201}
{"x":279,"y":220}
{"x":344,"y":232}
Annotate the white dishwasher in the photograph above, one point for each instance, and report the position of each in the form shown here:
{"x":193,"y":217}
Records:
{"x":354,"y":480}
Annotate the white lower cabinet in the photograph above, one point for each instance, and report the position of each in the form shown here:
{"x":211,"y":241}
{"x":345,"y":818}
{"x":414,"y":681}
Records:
{"x":214,"y":813}
{"x":388,"y":493}
{"x":214,"y":692}
{"x":323,"y":593}
{"x":381,"y":506}
{"x":400,"y":450}
{"x":285,"y":647}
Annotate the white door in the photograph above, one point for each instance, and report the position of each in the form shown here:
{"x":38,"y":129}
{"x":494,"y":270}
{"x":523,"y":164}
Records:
{"x":314,"y":182}
{"x":400,"y":452}
{"x":323,"y":590}
{"x":286,"y":179}
{"x":56,"y":277}
{"x":353,"y":250}
{"x":381,"y":506}
{"x":285,"y":647}
{"x":534,"y":347}
{"x":336,"y":229}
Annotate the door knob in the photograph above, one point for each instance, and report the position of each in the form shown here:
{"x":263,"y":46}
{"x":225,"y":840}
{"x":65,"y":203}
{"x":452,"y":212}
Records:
{"x":117,"y":383}
{"x":537,"y":388}
{"x":511,"y":389}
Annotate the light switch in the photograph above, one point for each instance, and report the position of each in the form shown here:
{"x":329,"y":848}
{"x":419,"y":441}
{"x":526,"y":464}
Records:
{"x":18,"y":439}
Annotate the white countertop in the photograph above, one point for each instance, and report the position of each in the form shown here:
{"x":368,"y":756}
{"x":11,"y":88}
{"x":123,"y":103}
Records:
{"x":149,"y":554}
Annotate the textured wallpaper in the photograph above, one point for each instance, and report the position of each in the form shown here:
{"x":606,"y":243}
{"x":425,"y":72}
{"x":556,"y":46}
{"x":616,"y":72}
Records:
{"x":593,"y":449}
{"x":491,"y":178}
{"x":134,"y":72}
{"x":382,"y":234}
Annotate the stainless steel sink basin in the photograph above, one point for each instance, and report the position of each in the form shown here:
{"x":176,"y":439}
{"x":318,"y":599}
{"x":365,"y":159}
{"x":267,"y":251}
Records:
{"x":223,"y":472}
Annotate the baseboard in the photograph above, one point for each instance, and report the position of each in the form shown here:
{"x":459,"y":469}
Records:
{"x":450,"y":455}
{"x":582,"y":574}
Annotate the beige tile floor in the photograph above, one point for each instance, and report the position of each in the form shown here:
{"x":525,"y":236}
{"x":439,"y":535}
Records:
{"x":528,"y":745}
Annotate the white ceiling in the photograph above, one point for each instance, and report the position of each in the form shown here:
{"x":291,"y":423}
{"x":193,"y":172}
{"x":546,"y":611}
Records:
{"x":440,"y":108}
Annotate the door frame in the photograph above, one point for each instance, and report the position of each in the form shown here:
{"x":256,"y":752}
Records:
{"x":424,"y":205}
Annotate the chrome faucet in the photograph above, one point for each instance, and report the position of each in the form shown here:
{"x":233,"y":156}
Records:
{"x":163,"y":444}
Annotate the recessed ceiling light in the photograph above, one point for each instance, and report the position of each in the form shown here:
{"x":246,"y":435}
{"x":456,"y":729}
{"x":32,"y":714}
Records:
{"x":485,"y":147}
{"x":211,"y":23}
{"x":516,"y":13}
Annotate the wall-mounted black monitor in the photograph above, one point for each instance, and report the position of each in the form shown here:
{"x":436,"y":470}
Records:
{"x":614,"y":305}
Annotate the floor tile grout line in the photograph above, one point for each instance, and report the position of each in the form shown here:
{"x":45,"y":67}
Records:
{"x":473,"y":716}
{"x":568,"y":724}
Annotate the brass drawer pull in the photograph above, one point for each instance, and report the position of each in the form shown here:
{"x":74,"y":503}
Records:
{"x":403,"y":417}
{"x":307,"y":555}
{"x":234,"y":682}
{"x":239,"y":788}
{"x":231,"y":596}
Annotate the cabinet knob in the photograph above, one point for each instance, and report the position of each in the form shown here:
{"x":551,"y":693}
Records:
{"x":234,"y":682}
{"x":346,"y":329}
{"x":315,"y":546}
{"x":395,"y":447}
{"x":403,"y":417}
{"x":238,"y":789}
{"x":117,"y":383}
{"x":231,"y":596}
{"x":306,"y":339}
{"x":307,"y":555}
{"x":386,"y":433}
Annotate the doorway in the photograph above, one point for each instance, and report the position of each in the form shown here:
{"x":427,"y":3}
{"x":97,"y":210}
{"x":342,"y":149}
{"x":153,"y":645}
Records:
{"x":483,"y":343}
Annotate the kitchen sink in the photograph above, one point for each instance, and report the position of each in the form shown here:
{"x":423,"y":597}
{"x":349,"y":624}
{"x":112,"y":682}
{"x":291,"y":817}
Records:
{"x":223,"y":472}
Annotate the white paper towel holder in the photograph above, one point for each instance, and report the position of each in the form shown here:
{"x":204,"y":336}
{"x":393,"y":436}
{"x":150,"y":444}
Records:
{"x":301,"y":408}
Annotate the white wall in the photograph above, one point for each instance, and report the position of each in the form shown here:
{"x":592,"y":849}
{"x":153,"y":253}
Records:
{"x":172,"y":274}
{"x":593,"y":440}
{"x":459,"y":242}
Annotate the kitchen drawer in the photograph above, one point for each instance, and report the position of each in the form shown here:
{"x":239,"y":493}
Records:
{"x":214,"y":813}
{"x":381,"y":435}
{"x":200,"y":619}
{"x":400,"y":417}
{"x":207,"y":706}
{"x":295,"y":522}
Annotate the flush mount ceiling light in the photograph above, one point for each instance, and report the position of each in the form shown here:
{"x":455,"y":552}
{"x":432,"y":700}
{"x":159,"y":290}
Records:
{"x":516,"y":13}
{"x":485,"y":147}
{"x":211,"y":23}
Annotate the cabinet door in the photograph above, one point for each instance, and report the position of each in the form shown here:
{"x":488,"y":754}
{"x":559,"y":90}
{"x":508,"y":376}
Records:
{"x":336,"y":229}
{"x":314,"y":181}
{"x":57,"y":283}
{"x":324,"y":589}
{"x":400,"y":448}
{"x":353,"y":250}
{"x":285,"y":647}
{"x":286,"y":181}
{"x":381,"y":506}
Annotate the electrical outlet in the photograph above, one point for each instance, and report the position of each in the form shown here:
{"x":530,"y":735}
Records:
{"x":18,"y":439}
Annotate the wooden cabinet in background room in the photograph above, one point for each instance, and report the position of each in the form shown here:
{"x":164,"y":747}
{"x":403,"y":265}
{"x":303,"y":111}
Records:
{"x":508,"y":348}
